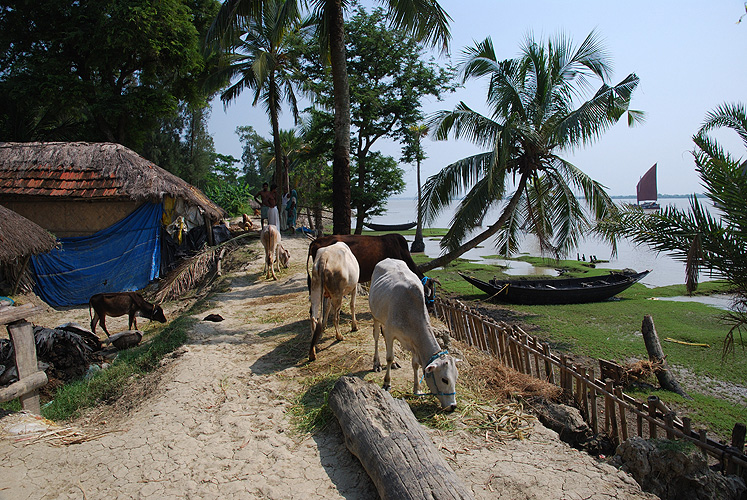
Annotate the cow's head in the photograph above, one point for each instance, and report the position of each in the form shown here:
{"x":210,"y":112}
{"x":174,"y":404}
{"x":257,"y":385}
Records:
{"x":429,"y":289}
{"x":158,"y":314}
{"x":441,"y":375}
{"x":283,"y":255}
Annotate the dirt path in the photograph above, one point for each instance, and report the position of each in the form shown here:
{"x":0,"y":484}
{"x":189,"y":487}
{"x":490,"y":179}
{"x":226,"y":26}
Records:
{"x":215,"y":424}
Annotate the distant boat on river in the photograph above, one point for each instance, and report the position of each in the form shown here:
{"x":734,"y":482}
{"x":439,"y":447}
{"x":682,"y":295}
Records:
{"x":390,"y":227}
{"x":646,"y":190}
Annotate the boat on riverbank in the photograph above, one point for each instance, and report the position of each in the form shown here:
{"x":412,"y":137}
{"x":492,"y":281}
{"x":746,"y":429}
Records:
{"x":557,"y":291}
{"x":390,"y":227}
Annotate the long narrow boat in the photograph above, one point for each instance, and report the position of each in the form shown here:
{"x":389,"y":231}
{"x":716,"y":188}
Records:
{"x":557,"y":291}
{"x":390,"y":227}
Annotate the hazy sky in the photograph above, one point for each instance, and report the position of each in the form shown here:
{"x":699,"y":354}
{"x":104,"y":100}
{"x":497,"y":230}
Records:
{"x":689,"y":56}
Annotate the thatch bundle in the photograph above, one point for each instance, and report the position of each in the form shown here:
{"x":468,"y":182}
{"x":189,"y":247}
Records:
{"x":91,"y":170}
{"x":20,"y":237}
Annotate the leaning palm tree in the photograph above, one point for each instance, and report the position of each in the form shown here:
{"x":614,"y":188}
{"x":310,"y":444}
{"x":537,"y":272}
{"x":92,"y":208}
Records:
{"x":258,"y":53}
{"x":424,"y":19}
{"x":534,"y":118}
{"x":697,"y":236}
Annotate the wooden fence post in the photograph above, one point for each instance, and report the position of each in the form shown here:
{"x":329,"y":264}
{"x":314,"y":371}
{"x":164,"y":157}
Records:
{"x":593,"y":401}
{"x":548,"y":365}
{"x":22,"y":336}
{"x":623,"y":420}
{"x":652,"y":413}
{"x":737,"y":443}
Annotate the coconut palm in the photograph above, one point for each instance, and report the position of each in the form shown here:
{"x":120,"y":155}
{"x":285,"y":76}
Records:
{"x":258,"y":51}
{"x":413,"y":151}
{"x":424,"y":19}
{"x":696,"y":236}
{"x":534,"y":117}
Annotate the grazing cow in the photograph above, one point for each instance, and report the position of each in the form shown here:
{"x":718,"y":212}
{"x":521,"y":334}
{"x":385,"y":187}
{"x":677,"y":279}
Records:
{"x":334,"y":275}
{"x":275,"y":254}
{"x":396,"y":300}
{"x":369,"y":250}
{"x":121,"y":303}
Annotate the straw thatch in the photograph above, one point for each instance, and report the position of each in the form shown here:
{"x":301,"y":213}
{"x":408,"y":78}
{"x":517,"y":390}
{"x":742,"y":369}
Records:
{"x":91,"y":171}
{"x":20,"y":237}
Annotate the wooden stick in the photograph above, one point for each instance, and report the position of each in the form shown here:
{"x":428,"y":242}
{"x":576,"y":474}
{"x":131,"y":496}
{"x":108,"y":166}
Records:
{"x":22,"y":336}
{"x":623,"y":420}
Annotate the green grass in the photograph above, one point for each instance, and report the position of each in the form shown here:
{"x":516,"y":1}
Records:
{"x":108,"y":384}
{"x":611,"y":330}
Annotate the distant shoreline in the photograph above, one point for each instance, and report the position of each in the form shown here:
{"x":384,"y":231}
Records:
{"x":614,"y":197}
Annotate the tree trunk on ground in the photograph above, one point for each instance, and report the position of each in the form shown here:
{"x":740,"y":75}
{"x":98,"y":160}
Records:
{"x":445,"y":259}
{"x":391,"y":444}
{"x":656,"y":355}
{"x":341,"y":153}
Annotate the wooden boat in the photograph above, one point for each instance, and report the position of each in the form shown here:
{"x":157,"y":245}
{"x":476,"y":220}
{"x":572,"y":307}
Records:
{"x":646,"y":190}
{"x":390,"y":227}
{"x":557,"y":291}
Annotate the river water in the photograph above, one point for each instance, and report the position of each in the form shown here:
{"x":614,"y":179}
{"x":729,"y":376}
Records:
{"x":664,"y":269}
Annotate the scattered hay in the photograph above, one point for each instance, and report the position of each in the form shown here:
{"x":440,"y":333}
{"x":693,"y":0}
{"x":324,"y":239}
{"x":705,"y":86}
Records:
{"x":492,"y":380}
{"x":640,"y":371}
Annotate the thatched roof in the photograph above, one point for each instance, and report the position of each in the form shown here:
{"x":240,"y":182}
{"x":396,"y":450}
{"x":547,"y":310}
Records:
{"x":19,"y":236}
{"x":90,"y":171}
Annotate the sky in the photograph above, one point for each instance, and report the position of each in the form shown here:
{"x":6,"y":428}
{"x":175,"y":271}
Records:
{"x":689,"y":56}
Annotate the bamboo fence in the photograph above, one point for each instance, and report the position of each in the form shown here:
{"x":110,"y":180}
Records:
{"x":604,"y":406}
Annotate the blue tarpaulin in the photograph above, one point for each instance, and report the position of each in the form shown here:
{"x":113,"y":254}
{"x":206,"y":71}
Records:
{"x":123,"y":257}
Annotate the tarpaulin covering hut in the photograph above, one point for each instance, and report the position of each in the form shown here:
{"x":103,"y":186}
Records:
{"x":105,"y":203}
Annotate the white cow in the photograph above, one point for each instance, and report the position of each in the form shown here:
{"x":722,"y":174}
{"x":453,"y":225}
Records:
{"x":399,"y":312}
{"x":275,"y":254}
{"x":334,"y":274}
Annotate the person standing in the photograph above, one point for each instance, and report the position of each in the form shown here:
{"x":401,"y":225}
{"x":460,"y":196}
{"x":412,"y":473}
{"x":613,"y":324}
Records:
{"x":273,"y":215}
{"x":292,"y":209}
{"x":284,"y":212}
{"x":263,"y":198}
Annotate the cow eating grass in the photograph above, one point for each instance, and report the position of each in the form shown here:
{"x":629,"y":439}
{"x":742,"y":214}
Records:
{"x":399,"y":312}
{"x":120,"y":303}
{"x":333,"y":275}
{"x":275,"y":254}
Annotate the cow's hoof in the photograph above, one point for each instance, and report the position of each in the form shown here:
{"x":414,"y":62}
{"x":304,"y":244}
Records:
{"x":354,"y":328}
{"x":396,"y":366}
{"x":339,"y":337}
{"x":386,"y":387}
{"x":377,"y":368}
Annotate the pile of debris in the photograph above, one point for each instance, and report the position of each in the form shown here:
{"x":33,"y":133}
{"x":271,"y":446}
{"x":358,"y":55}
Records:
{"x":64,"y":353}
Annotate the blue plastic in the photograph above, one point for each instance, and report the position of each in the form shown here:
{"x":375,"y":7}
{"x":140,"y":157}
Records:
{"x":123,"y":257}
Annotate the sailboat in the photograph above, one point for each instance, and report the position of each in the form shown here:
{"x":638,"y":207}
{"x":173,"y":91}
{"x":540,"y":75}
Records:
{"x":646,"y":190}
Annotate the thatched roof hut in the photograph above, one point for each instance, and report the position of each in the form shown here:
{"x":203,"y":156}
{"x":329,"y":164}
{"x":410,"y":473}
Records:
{"x":67,"y":172}
{"x":108,"y":207}
{"x":20,"y":237}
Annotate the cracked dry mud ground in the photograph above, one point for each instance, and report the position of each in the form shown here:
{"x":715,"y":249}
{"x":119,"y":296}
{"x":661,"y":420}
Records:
{"x":214,"y":422}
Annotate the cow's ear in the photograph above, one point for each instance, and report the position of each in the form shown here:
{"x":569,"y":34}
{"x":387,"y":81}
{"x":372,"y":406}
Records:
{"x":430,"y":367}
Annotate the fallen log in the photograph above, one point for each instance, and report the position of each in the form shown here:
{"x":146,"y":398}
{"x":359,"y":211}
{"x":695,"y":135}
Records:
{"x":391,"y":444}
{"x":656,"y":354}
{"x":23,"y":386}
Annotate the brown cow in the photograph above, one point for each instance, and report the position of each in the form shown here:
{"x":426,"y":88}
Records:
{"x":120,"y":303}
{"x":369,"y":250}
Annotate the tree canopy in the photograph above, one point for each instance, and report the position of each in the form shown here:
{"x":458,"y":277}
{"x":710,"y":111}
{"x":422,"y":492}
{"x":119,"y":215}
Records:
{"x":534,"y":118}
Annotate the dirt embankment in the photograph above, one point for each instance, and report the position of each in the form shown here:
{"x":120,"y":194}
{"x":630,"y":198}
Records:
{"x":214,"y":422}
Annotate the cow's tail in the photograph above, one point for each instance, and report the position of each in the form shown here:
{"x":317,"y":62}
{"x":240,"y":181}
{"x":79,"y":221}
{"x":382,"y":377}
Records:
{"x":308,"y":273}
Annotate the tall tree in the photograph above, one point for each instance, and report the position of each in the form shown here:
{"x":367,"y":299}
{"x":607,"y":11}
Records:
{"x":413,"y":152}
{"x":534,"y":117}
{"x":389,"y":79}
{"x":696,"y":236}
{"x":425,"y":19}
{"x":259,"y":54}
{"x":103,"y":70}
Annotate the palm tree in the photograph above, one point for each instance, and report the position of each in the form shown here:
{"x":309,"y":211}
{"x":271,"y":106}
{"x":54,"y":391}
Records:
{"x":695,"y":236}
{"x":413,"y":151}
{"x":533,"y":118}
{"x":258,"y":52}
{"x":424,"y":19}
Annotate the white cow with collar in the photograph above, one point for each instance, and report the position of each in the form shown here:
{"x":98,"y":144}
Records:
{"x":398,"y":309}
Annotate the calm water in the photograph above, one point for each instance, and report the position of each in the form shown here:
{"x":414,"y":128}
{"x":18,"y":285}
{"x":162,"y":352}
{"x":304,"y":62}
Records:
{"x":664,"y":269}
